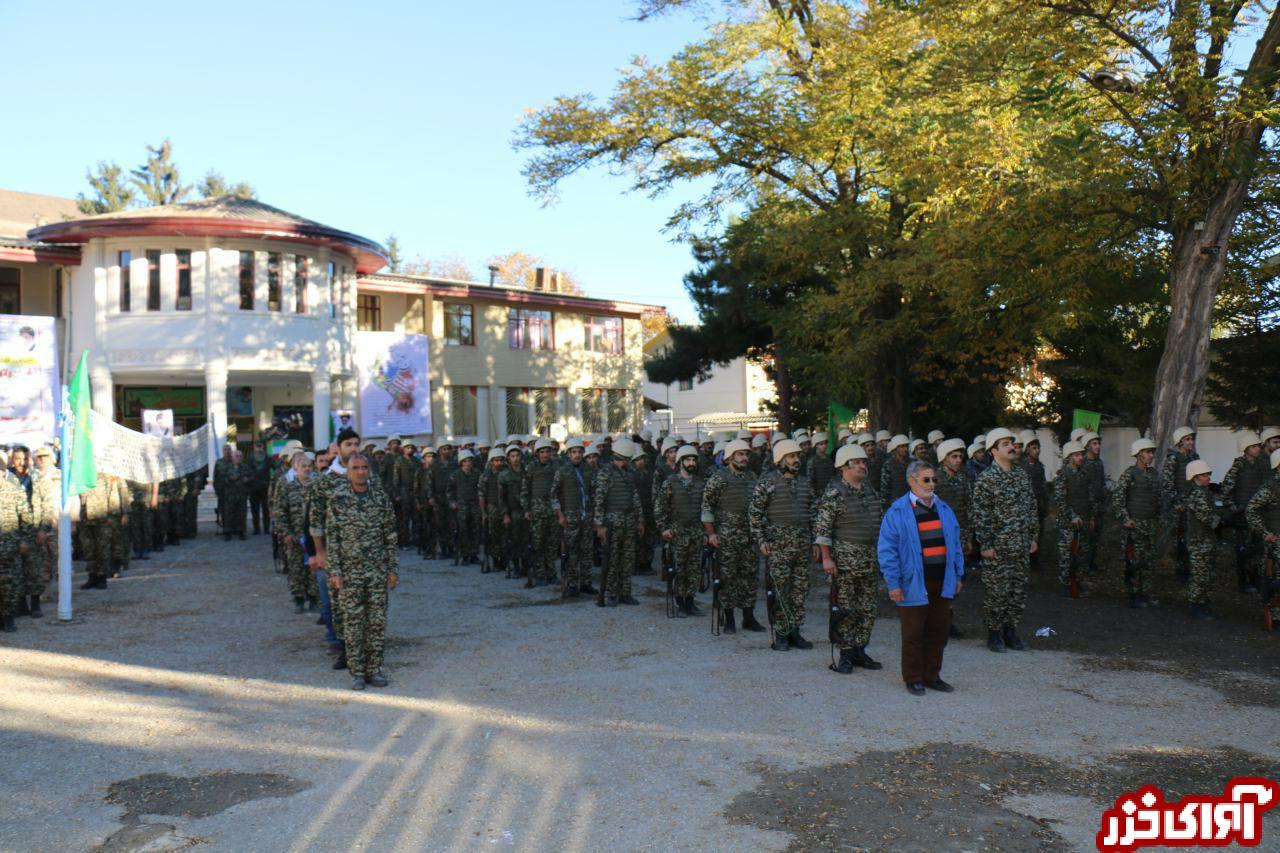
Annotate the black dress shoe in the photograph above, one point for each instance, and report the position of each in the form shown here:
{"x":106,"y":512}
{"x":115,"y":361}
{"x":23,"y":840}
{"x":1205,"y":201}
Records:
{"x":940,"y":685}
{"x":915,"y":688}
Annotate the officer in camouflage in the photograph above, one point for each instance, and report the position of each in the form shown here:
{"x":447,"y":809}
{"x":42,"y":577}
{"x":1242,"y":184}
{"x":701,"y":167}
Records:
{"x":515,"y":520}
{"x":1173,"y":479}
{"x":46,"y":497}
{"x":570,"y":499}
{"x":819,"y":466}
{"x":677,"y":509}
{"x":846,"y":528}
{"x":104,"y":510}
{"x":490,"y":497}
{"x":464,"y":503}
{"x":780,"y":514}
{"x":1136,"y":503}
{"x":646,"y":485}
{"x":441,"y":474}
{"x":617,"y":516}
{"x":288,"y":513}
{"x":15,"y":522}
{"x":363,"y":564}
{"x":1205,"y":511}
{"x":1263,"y":516}
{"x":543,"y":523}
{"x":955,"y":487}
{"x":1246,"y":475}
{"x":893,"y":473}
{"x":1073,"y":511}
{"x":1004,"y":521}
{"x":1096,"y":474}
{"x":725,"y":501}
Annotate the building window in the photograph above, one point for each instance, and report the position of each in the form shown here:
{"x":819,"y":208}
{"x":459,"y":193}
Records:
{"x":300,"y":284}
{"x":685,"y":385}
{"x":333,"y":292}
{"x":368,"y":313}
{"x":153,"y":279}
{"x":604,"y":334}
{"x":124,"y":259}
{"x":592,"y":410}
{"x":544,"y":410}
{"x":462,"y":409}
{"x":58,"y":272}
{"x":457,"y":325}
{"x":616,"y":409}
{"x":528,"y":329}
{"x":10,"y":290}
{"x":518,"y":410}
{"x":273,"y":281}
{"x":246,"y":281}
{"x":184,"y":279}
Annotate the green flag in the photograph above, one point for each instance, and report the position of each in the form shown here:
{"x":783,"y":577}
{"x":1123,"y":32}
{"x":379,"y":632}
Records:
{"x":1085,"y":419}
{"x":837,"y":416}
{"x":81,"y":470}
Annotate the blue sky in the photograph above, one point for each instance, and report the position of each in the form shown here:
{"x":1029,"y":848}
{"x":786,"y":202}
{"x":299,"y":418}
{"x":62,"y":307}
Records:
{"x":379,"y":118}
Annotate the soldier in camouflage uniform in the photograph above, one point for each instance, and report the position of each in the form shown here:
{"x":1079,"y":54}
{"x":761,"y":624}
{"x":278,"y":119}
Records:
{"x":441,"y":474}
{"x":386,"y":466}
{"x":820,"y":468}
{"x":1004,"y":521}
{"x":648,"y":488}
{"x":259,"y":482}
{"x":536,"y":496}
{"x":1246,"y":475}
{"x":319,"y":490}
{"x":515,"y":520}
{"x":220,"y":477}
{"x":464,"y":503}
{"x":404,"y":469}
{"x":780,"y":514}
{"x":46,"y":497}
{"x":191,"y":500}
{"x":1173,"y":480}
{"x":1096,"y":474}
{"x":141,"y":507}
{"x":289,"y":514}
{"x":490,"y":497}
{"x":15,"y":524}
{"x":846,"y":527}
{"x":236,"y":483}
{"x":759,"y":450}
{"x":666,"y":466}
{"x":424,"y":516}
{"x":1073,"y":510}
{"x":363,"y":564}
{"x":1263,"y":517}
{"x":1136,"y":503}
{"x":103,"y":511}
{"x":1029,"y":459}
{"x":876,"y":456}
{"x":1205,"y":512}
{"x":725,"y":502}
{"x":677,"y":509}
{"x":955,"y":487}
{"x":893,"y":472}
{"x":570,"y":499}
{"x":617,"y":517}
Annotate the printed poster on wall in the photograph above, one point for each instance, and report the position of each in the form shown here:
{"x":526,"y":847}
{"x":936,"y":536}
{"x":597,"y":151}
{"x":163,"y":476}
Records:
{"x":395,"y":393}
{"x":157,"y":422}
{"x":28,"y":380}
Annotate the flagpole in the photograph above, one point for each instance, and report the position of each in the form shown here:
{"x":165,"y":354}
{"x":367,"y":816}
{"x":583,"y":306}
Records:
{"x":64,"y":520}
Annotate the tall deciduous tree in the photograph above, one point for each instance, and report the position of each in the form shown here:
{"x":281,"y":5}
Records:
{"x":394,"y":261}
{"x":110,"y":192}
{"x":520,"y":269}
{"x":157,"y":179}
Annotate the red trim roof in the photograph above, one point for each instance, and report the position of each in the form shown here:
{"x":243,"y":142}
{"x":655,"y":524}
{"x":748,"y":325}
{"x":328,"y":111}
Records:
{"x":390,"y":283}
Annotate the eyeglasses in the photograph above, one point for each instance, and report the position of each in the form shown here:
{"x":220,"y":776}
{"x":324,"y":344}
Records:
{"x":927,"y":479}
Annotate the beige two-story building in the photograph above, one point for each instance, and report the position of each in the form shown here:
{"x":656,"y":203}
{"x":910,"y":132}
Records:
{"x":507,"y":359}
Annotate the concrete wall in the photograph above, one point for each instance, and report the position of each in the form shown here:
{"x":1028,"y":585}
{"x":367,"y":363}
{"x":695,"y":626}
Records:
{"x":35,"y":289}
{"x":1215,"y":444}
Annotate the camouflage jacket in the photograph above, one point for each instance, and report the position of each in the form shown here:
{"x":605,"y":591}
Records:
{"x":15,"y":514}
{"x":1242,"y":474}
{"x":46,"y":495}
{"x":1004,"y":509}
{"x":956,"y":491}
{"x":109,"y":498}
{"x":831,"y":505}
{"x":604,"y":480}
{"x":290,"y":508}
{"x":664,"y":501}
{"x":1263,"y":511}
{"x":360,"y":533}
{"x":766,"y":487}
{"x":1173,"y":476}
{"x":711,"y":512}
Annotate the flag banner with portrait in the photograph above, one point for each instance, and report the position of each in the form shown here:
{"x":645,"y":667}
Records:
{"x":132,"y":455}
{"x":395,"y":393}
{"x":29,"y":383}
{"x":157,"y":422}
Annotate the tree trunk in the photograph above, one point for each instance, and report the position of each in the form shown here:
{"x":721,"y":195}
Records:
{"x":781,"y":382}
{"x":888,"y":371}
{"x":1194,"y":276}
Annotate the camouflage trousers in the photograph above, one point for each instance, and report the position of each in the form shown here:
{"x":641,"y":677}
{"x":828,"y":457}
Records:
{"x":1271,"y":551}
{"x":1065,"y":536}
{"x":402,"y":506}
{"x":516,"y":539}
{"x":791,"y":551}
{"x":235,"y":507}
{"x":10,"y":581}
{"x":739,"y":563}
{"x":493,"y":535}
{"x":95,"y":545}
{"x":444,"y":525}
{"x":857,"y":574}
{"x":190,"y":505}
{"x":467,"y":518}
{"x":1004,"y":582}
{"x":546,"y":539}
{"x":645,"y":543}
{"x":578,"y":539}
{"x":621,"y":529}
{"x":140,"y":523}
{"x":1144,"y":548}
{"x":1200,"y":551}
{"x":37,"y":565}
{"x":302,"y":580}
{"x":1250,"y":555}
{"x":122,"y":543}
{"x":686,"y":551}
{"x":363,"y":600}
{"x":1090,"y":556}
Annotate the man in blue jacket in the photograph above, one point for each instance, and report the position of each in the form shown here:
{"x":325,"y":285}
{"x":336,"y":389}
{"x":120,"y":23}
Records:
{"x":922,"y":561}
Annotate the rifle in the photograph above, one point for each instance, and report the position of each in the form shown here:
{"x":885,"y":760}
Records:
{"x":604,"y":569}
{"x":1128,"y":560}
{"x":669,"y":576}
{"x":453,"y":533}
{"x":564,"y":566}
{"x":835,"y":618}
{"x":485,"y":566}
{"x":717,"y":611}
{"x":1075,"y":563}
{"x":770,"y":595}
{"x":704,"y":576}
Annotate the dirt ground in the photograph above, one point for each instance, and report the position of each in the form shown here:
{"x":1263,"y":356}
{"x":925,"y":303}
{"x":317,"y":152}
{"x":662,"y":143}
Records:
{"x":189,"y":706}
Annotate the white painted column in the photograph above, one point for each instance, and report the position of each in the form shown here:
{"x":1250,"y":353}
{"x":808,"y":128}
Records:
{"x":215,"y":380}
{"x":320,"y":397}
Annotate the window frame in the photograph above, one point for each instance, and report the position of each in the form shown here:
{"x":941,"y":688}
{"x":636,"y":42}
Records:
{"x":153,"y":279}
{"x":519,"y":329}
{"x":182,"y":258}
{"x":275,"y":272}
{"x":370,"y":309}
{"x":452,"y":308}
{"x":124,"y":290}
{"x":15,"y":286}
{"x":300,"y":270}
{"x":252,"y":269}
{"x":333,"y":290}
{"x":607,"y":328}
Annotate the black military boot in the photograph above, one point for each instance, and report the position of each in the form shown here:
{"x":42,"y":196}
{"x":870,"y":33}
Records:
{"x":298,"y":605}
{"x":23,"y":607}
{"x":995,"y":642}
{"x":6,"y":624}
{"x":845,"y":666}
{"x":587,"y":589}
{"x":691,"y":607}
{"x":728,"y":627}
{"x":341,"y":662}
{"x":1012,"y":640}
{"x":91,"y":583}
{"x":101,"y":582}
{"x":36,"y":612}
{"x":864,"y":660}
{"x":680,"y":611}
{"x":798,"y":641}
{"x":779,"y":643}
{"x":627,"y":599}
{"x":1137,"y":602}
{"x":312,"y":605}
{"x":749,"y":622}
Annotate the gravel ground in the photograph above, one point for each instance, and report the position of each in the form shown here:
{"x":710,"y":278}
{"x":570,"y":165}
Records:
{"x":189,"y":705}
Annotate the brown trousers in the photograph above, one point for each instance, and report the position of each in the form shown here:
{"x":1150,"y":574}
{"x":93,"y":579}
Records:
{"x":924,"y":635}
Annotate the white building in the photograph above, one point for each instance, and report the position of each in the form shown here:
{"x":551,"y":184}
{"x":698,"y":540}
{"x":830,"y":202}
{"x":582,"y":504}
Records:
{"x":225,"y":310}
{"x":732,"y":397}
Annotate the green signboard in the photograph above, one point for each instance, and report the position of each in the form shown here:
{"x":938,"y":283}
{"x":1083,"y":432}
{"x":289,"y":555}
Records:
{"x":185,"y":402}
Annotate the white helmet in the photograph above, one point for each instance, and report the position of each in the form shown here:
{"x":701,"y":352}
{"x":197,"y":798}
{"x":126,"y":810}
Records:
{"x":1027,"y":436}
{"x":895,"y":442}
{"x":496,"y":453}
{"x":865,"y":438}
{"x":1246,"y":440}
{"x":464,"y":455}
{"x":1072,"y":447}
{"x":914,"y":443}
{"x":849,"y":452}
{"x":993,"y":438}
{"x":951,"y":445}
{"x":668,"y":443}
{"x":734,"y":446}
{"x":573,"y":442}
{"x":1141,"y":444}
{"x":1197,"y":467}
{"x":543,"y":444}
{"x":784,"y":447}
{"x":1181,"y":433}
{"x":683,"y":453}
{"x":758,"y":440}
{"x":1269,"y":433}
{"x":625,"y":448}
{"x":883,"y":435}
{"x":936,"y":435}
